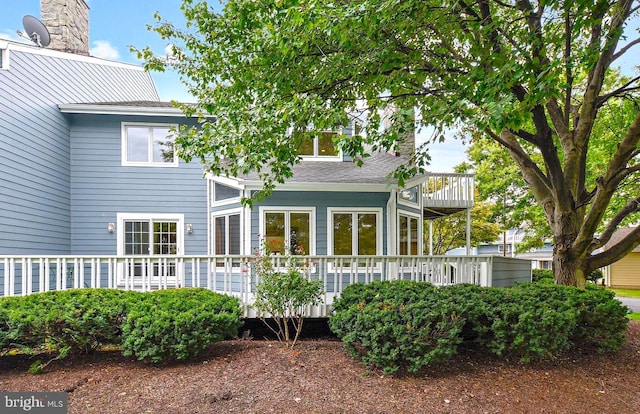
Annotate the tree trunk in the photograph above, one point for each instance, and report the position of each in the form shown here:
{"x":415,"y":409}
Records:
{"x":568,"y":269}
{"x":569,"y":266}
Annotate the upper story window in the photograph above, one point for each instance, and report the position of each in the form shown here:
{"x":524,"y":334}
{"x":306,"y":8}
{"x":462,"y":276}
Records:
{"x":148,"y":145}
{"x":318,"y":145}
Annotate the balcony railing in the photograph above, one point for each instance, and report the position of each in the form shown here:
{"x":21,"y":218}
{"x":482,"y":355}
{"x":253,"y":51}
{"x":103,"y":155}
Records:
{"x":235,"y":275}
{"x":448,"y":190}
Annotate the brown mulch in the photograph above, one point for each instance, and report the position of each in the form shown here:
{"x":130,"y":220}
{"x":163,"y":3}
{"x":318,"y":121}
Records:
{"x":259,"y":376}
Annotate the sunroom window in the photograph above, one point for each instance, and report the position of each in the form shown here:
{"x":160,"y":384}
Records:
{"x":356,"y":232}
{"x":148,"y":145}
{"x":288,"y":232}
{"x":408,"y":235}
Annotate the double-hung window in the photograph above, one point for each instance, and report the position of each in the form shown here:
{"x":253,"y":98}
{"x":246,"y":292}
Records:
{"x":355,"y":232}
{"x":148,"y":145}
{"x":288,"y":231}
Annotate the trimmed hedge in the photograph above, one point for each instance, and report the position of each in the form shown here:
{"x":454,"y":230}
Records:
{"x":78,"y":320}
{"x":178,"y":324}
{"x":397,"y":325}
{"x":158,"y":326}
{"x":405,"y":326}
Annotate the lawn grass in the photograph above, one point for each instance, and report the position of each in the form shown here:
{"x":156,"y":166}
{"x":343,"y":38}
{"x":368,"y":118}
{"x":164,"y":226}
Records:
{"x":634,"y":316}
{"x":627,"y":293}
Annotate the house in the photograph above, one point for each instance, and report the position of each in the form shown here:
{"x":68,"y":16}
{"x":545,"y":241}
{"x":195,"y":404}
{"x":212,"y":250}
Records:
{"x":94,"y":195}
{"x":625,"y":273}
{"x":507,"y":246}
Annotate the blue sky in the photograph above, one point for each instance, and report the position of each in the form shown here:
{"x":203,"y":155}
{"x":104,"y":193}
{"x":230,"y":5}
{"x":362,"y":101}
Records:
{"x":114,"y":25}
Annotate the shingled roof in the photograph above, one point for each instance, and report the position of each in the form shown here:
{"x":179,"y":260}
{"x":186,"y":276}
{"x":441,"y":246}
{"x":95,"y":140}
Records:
{"x":619,"y":235}
{"x":375,"y":170}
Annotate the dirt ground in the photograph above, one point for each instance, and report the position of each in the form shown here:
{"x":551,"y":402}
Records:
{"x":259,"y":376}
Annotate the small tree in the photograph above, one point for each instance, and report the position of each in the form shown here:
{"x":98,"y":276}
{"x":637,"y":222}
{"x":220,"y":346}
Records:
{"x":283,"y":296}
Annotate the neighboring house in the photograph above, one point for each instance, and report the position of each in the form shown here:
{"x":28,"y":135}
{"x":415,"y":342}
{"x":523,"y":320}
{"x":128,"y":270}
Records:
{"x":94,"y":195}
{"x":625,"y":273}
{"x":507,"y":246}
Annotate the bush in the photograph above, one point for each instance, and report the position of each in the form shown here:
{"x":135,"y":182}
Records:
{"x":284,"y":296}
{"x":531,"y":323}
{"x":601,"y":321}
{"x":77,"y":320}
{"x":397,"y":326}
{"x":538,"y":275}
{"x":409,"y":325}
{"x":178,"y":324}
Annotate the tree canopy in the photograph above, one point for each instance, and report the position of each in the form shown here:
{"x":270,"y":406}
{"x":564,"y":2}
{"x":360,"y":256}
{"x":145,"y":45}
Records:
{"x":530,"y":75}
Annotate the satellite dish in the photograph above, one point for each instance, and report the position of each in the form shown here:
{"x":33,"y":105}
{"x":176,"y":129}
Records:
{"x":35,"y":31}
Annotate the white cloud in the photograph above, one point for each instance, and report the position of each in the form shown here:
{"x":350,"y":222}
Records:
{"x":103,"y":49}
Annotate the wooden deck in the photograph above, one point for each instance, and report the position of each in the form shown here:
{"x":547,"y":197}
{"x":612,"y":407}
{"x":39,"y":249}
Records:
{"x":234,"y":275}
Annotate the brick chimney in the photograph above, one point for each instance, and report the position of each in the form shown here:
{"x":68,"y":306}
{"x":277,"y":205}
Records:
{"x":68,"y":25}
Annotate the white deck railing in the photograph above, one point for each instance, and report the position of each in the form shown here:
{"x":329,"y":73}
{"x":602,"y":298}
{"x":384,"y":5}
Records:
{"x":448,"y":190}
{"x":234,"y":275}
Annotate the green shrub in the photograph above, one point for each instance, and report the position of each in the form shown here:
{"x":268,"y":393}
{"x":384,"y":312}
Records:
{"x":397,"y":326}
{"x":10,"y":333}
{"x":531,"y":323}
{"x":178,"y":324}
{"x":601,"y":321}
{"x":408,"y":325}
{"x":283,"y":296}
{"x":77,"y":320}
{"x":394,"y":292}
{"x":538,"y":275}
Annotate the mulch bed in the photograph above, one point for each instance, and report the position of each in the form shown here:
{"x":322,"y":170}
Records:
{"x":259,"y":376}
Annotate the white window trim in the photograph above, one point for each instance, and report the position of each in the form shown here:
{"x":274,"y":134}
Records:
{"x":226,"y":213}
{"x":123,"y":145}
{"x":420,"y":229}
{"x":212,"y":194}
{"x":262,"y":210}
{"x":122,"y":217}
{"x":356,"y":210}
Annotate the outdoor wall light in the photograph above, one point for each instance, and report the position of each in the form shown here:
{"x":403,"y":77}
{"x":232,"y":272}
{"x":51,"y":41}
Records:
{"x":189,"y":228}
{"x":111,"y":227}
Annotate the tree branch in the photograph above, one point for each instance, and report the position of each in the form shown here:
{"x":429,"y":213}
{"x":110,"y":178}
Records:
{"x":615,"y":252}
{"x":629,"y":208}
{"x":625,"y":48}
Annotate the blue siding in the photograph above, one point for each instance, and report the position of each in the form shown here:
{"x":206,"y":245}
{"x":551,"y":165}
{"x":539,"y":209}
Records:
{"x":101,"y":187}
{"x":35,"y":174}
{"x":321,"y":201}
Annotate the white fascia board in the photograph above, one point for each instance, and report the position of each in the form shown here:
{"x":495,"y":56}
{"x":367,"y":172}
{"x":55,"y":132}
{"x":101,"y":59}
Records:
{"x":231,"y":182}
{"x":119,"y":110}
{"x":309,"y":186}
{"x":27,"y":48}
